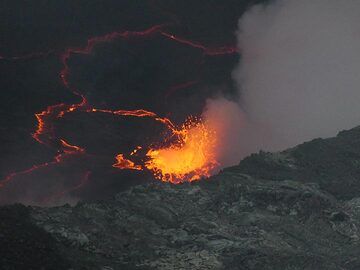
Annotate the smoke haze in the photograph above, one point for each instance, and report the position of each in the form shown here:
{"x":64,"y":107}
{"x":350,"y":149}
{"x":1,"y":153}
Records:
{"x":298,"y":75}
{"x":227,"y":120}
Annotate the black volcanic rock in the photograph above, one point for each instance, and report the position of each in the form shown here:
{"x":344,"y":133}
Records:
{"x":297,"y":209}
{"x":333,"y":163}
{"x":23,"y":245}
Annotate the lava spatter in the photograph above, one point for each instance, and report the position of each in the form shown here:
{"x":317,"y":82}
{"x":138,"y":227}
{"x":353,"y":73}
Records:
{"x":190,"y":158}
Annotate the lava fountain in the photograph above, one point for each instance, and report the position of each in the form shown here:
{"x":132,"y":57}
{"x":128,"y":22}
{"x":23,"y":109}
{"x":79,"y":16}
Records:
{"x":188,"y":154}
{"x":191,"y":157}
{"x":202,"y":146}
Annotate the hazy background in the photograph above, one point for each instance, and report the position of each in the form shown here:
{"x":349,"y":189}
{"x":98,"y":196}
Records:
{"x":298,"y":76}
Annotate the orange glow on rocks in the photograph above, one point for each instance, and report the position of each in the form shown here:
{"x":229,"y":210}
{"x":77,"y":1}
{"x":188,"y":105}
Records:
{"x":190,"y":158}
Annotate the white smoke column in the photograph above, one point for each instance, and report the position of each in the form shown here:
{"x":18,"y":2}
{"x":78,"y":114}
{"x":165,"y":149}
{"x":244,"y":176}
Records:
{"x":299,"y":73}
{"x":227,"y":120}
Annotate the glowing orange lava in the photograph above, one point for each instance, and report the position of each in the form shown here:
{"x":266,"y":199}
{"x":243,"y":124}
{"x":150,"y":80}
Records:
{"x":123,"y":163}
{"x":191,"y":158}
{"x":70,"y":149}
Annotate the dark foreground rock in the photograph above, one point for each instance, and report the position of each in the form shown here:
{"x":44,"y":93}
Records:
{"x":298,"y":209}
{"x":23,"y":245}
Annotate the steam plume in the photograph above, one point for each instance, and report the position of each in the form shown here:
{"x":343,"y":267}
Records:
{"x":227,"y":120}
{"x":298,"y":75}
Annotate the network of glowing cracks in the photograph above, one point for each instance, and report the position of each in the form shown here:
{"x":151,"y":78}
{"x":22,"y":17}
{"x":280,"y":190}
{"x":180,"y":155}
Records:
{"x":190,"y":156}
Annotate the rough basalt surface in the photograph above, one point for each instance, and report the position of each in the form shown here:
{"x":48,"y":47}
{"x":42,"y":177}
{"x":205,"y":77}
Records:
{"x":292,"y":210}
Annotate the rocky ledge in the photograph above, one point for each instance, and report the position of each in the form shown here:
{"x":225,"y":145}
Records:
{"x":292,"y":210}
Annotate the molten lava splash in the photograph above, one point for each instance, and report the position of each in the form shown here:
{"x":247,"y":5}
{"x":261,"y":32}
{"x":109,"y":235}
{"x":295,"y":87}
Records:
{"x":190,"y":158}
{"x":135,"y":150}
{"x":123,"y":163}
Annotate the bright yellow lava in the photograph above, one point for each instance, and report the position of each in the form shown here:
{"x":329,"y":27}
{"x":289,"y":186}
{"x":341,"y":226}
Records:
{"x":192,"y":158}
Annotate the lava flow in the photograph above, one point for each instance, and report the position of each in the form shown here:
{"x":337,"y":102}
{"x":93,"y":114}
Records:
{"x":190,"y":157}
{"x":123,"y":163}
